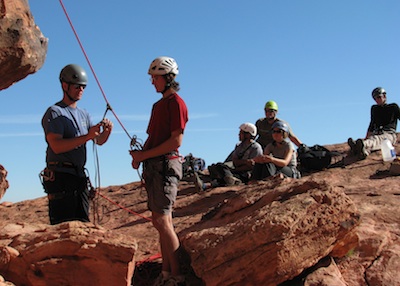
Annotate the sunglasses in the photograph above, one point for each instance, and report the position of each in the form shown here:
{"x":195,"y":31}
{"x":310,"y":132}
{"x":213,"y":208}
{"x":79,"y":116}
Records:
{"x":79,"y":86}
{"x":383,"y":94}
{"x":270,"y":110}
{"x":278,"y":131}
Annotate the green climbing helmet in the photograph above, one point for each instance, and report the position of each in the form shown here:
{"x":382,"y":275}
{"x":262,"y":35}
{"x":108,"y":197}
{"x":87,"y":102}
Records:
{"x":271,"y":105}
{"x":73,"y":74}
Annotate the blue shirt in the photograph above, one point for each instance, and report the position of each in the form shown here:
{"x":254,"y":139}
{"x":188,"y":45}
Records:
{"x":69,"y":122}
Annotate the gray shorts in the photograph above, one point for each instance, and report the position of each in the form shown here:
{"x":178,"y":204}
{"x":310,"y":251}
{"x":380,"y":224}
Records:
{"x":161,"y":178}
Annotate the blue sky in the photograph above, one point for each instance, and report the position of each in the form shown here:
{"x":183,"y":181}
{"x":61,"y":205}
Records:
{"x":319,"y":60}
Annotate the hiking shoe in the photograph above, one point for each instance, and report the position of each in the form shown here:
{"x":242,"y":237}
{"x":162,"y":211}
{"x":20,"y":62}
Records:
{"x":198,"y":183}
{"x":231,"y":180}
{"x":174,"y":281}
{"x":352,"y":144}
{"x":361,"y":152}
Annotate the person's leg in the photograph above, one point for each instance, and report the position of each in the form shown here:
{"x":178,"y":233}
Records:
{"x":169,"y":242}
{"x":82,"y":200}
{"x":374,"y":142}
{"x":287,"y":171}
{"x":68,"y":198}
{"x":162,"y":181}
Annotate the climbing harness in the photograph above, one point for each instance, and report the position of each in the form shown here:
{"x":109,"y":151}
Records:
{"x":135,"y":145}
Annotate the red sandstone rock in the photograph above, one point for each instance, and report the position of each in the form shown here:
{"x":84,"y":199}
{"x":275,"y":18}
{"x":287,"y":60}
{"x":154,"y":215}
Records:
{"x":23,"y":47}
{"x":71,"y":253}
{"x":368,"y":254}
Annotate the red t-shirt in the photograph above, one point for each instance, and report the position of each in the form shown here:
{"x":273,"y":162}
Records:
{"x":168,"y":114}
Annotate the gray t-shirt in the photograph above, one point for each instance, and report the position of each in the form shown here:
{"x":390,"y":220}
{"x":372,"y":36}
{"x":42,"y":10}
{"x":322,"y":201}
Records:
{"x":281,"y":151}
{"x":247,"y":150}
{"x":68,"y":122}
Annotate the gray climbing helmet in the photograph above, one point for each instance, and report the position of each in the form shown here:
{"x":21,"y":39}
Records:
{"x":73,"y":74}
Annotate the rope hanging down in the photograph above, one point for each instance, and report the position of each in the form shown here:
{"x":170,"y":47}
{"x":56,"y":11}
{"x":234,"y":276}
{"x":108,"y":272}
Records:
{"x":135,"y":143}
{"x":93,"y":72}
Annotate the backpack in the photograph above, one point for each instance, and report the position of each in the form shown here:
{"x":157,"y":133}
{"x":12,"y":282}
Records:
{"x":192,"y":164}
{"x":316,"y":157}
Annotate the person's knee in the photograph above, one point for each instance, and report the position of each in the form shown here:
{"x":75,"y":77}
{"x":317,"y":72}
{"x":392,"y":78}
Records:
{"x":161,"y":222}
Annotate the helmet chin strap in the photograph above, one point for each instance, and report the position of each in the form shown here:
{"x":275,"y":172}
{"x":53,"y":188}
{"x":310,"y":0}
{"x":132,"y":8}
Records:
{"x":70,"y":97}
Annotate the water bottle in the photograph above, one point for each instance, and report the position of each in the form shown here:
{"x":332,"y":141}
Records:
{"x":388,"y":152}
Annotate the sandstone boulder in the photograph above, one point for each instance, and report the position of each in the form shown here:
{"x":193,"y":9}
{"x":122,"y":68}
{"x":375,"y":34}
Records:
{"x":71,"y":253}
{"x":3,"y":181}
{"x":270,"y":232}
{"x":23,"y":47}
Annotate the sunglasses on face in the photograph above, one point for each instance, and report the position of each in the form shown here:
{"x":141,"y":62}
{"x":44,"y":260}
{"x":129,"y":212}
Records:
{"x":278,"y":131}
{"x":381,"y":95}
{"x":270,"y":110}
{"x":79,"y":86}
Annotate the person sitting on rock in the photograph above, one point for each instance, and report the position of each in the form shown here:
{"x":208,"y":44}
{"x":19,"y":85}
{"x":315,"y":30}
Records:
{"x":239,"y":169}
{"x":382,"y":125}
{"x":279,"y":158}
{"x":264,"y":126}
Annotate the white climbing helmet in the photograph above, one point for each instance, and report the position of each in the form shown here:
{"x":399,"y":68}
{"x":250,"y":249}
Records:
{"x":249,"y":128}
{"x":163,"y":66}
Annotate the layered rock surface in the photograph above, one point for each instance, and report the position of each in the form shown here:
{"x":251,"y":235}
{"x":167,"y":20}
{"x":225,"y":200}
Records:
{"x":23,"y":47}
{"x":339,"y":226}
{"x":71,"y":253}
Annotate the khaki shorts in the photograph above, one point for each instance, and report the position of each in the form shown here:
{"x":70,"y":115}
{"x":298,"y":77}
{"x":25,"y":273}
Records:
{"x":161,"y":178}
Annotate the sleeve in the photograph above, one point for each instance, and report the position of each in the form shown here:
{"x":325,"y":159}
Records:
{"x":256,"y":150}
{"x":397,"y":109}
{"x":179,"y":115}
{"x":53,"y":122}
{"x":268,"y":149}
{"x":371,"y":123}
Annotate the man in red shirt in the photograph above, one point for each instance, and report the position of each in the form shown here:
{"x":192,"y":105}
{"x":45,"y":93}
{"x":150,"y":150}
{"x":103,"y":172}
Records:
{"x":162,"y":167}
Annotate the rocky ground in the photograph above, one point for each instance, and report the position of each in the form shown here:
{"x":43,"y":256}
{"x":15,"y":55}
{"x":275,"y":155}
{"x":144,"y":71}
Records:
{"x":369,"y":184}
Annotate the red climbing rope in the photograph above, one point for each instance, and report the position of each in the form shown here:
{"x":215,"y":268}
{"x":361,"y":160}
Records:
{"x":122,"y":207}
{"x":91,"y":68}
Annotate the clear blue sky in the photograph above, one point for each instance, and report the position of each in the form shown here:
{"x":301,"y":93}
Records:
{"x":319,"y":60}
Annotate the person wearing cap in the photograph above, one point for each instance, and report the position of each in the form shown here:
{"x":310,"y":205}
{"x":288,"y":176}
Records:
{"x":162,"y":165}
{"x":383,"y":124}
{"x":238,"y":168}
{"x":67,"y":128}
{"x":264,"y":125}
{"x":279,"y":157}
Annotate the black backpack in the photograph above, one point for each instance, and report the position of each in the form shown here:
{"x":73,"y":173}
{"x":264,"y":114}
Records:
{"x":314,"y":158}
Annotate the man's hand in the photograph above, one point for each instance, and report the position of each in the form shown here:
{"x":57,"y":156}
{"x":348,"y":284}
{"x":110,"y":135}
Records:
{"x":94,"y":131}
{"x":106,"y":124}
{"x":136,"y":158}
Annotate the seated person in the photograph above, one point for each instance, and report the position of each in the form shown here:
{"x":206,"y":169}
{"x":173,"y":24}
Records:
{"x":239,"y":169}
{"x":264,"y":126}
{"x":279,"y":156}
{"x":383,"y":125}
